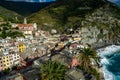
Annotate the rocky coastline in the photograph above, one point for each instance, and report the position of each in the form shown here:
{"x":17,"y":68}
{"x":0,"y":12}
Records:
{"x":97,"y":46}
{"x":104,"y":44}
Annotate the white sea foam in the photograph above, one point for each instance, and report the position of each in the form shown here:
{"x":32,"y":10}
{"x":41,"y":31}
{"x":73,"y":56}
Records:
{"x":104,"y":61}
{"x":107,"y":75}
{"x":108,"y":50}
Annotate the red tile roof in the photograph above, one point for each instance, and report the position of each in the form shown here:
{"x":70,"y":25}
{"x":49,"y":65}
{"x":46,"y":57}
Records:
{"x":25,"y":25}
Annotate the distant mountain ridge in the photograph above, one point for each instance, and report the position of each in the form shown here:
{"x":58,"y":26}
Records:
{"x":31,"y":0}
{"x":23,"y":8}
{"x":62,"y":10}
{"x":115,"y":1}
{"x":27,"y":7}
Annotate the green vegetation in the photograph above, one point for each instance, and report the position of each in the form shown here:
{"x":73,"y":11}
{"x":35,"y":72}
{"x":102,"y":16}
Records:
{"x":12,"y":34}
{"x":58,"y":14}
{"x":94,"y":72}
{"x":6,"y":71}
{"x":6,"y":31}
{"x":66,"y":14}
{"x":91,"y":71}
{"x":85,"y":65}
{"x":53,"y":71}
{"x":86,"y":54}
{"x":7,"y":15}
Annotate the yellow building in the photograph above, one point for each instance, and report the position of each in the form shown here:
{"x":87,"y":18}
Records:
{"x":21,"y":47}
{"x":77,"y":39}
{"x":6,"y":62}
{"x":0,"y":49}
{"x":61,"y":44}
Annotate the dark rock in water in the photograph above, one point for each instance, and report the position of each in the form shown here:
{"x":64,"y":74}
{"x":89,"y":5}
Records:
{"x":23,"y":8}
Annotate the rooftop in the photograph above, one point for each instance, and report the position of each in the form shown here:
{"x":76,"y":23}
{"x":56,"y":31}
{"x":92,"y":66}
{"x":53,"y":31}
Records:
{"x":75,"y":74}
{"x":63,"y":59}
{"x":25,"y":25}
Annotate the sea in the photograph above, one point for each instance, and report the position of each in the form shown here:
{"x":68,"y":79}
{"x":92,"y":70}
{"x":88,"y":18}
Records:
{"x":110,"y":62}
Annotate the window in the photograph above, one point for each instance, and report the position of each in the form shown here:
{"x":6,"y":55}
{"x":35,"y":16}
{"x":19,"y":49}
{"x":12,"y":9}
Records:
{"x":17,"y":56}
{"x":7,"y":63}
{"x":4,"y":64}
{"x":10,"y":55}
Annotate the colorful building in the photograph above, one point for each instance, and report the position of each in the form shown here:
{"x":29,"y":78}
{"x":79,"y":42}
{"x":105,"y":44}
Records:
{"x":9,"y":60}
{"x":77,"y":39}
{"x":5,"y":62}
{"x":14,"y":59}
{"x":21,"y":47}
{"x":61,"y":44}
{"x":27,"y":29}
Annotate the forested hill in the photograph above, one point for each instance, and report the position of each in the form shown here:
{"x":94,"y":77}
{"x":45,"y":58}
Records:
{"x":8,"y":15}
{"x":98,"y":19}
{"x":59,"y":14}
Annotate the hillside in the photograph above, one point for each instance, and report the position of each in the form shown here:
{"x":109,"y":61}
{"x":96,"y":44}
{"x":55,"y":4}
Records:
{"x":59,"y":13}
{"x":87,"y":16}
{"x":6,"y":14}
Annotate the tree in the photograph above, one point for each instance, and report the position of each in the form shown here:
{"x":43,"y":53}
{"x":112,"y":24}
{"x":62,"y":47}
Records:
{"x":86,"y":54}
{"x":53,"y":71}
{"x":6,"y":71}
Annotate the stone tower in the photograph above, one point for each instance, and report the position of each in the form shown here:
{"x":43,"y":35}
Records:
{"x":25,"y":21}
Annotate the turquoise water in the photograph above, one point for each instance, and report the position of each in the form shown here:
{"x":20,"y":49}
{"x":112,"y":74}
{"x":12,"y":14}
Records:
{"x":114,"y":65}
{"x":110,"y":61}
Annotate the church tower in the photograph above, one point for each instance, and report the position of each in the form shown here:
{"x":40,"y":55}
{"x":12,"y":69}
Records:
{"x":25,"y":21}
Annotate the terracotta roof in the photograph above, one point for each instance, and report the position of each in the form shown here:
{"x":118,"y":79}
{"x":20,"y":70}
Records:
{"x":24,"y":25}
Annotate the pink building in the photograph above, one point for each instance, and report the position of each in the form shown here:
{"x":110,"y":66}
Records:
{"x":14,"y":59}
{"x":37,"y":34}
{"x":9,"y":60}
{"x":26,"y":27}
{"x":74,"y":63}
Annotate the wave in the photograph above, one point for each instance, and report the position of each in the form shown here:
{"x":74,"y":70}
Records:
{"x":108,"y":50}
{"x":105,"y":61}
